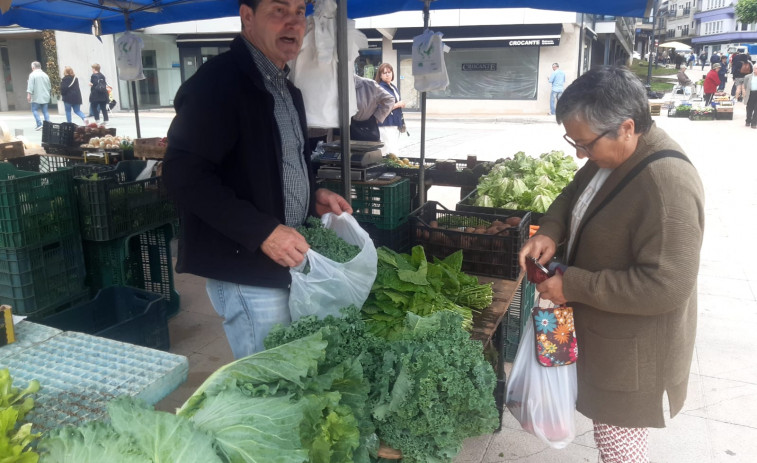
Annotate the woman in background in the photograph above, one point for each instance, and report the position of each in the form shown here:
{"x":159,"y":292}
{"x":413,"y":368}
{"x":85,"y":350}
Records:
{"x":711,"y":83}
{"x":394,"y":124}
{"x":71,"y":94}
{"x":98,"y":96}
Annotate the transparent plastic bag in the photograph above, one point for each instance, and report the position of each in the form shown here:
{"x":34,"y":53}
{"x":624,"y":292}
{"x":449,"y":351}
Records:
{"x":329,"y":285}
{"x":542,"y":399}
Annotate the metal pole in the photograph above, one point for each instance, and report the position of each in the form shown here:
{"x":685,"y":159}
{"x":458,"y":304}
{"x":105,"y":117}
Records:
{"x":136,"y":106}
{"x":580,"y":47}
{"x":421,"y":170}
{"x":651,"y":44}
{"x":344,"y":73}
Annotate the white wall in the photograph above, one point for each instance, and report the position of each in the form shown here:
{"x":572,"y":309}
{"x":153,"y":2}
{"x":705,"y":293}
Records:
{"x":19,"y":53}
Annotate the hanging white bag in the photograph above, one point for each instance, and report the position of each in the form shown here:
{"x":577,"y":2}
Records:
{"x":329,"y":285}
{"x":429,"y":69}
{"x":542,"y":399}
{"x":314,"y":71}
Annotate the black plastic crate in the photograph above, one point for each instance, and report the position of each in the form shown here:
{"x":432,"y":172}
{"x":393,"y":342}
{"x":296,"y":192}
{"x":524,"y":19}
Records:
{"x":385,"y":204}
{"x":121,"y":313}
{"x":483,"y":254}
{"x":61,"y":134}
{"x":397,"y":239}
{"x":43,"y":163}
{"x":467,"y":204}
{"x":518,"y":313}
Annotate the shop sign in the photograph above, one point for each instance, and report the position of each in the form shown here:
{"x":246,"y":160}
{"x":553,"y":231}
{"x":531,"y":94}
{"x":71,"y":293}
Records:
{"x":533,"y":43}
{"x":479,"y":66}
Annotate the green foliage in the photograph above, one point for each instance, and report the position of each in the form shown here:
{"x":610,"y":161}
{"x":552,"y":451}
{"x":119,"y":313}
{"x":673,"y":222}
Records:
{"x":51,"y":60}
{"x":409,"y":283}
{"x":16,"y":440}
{"x":326,"y":242}
{"x":746,"y":11}
{"x":430,"y":387}
{"x":526,"y":183}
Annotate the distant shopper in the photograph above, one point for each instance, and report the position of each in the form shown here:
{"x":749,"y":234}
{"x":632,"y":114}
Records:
{"x":38,"y":93}
{"x":71,"y":94}
{"x":723,"y":73}
{"x":711,"y":83}
{"x":374,"y":104}
{"x":715,"y":58}
{"x":750,"y":96}
{"x":557,"y":79}
{"x":738,"y":77}
{"x":394,"y":124}
{"x":98,"y":95}
{"x":684,"y":81}
{"x":703,"y":59}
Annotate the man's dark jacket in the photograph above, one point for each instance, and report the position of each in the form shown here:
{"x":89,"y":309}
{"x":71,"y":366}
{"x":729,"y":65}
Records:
{"x":223,"y":167}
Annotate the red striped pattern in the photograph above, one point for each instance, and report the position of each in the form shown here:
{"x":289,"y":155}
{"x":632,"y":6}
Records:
{"x":621,"y":445}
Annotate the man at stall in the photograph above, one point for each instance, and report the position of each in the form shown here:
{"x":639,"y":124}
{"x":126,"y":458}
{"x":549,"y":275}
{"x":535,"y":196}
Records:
{"x":238,"y":166}
{"x":373,"y":105}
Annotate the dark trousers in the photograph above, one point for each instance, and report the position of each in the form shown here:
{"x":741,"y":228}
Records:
{"x":95,"y":108}
{"x":708,"y":98}
{"x":751,"y":109}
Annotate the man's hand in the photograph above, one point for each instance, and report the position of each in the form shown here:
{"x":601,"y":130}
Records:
{"x":540,"y":247}
{"x":285,"y":246}
{"x":328,"y":201}
{"x":29,"y":97}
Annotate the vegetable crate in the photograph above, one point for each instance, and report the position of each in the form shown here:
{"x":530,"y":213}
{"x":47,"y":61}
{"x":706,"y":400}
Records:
{"x":43,"y":277}
{"x":383,"y":204}
{"x":518,"y":314}
{"x":46,"y":163}
{"x":58,"y":134}
{"x":721,"y":115}
{"x":120,"y":313}
{"x":494,"y":255}
{"x":35,"y":209}
{"x":152,"y":148}
{"x":468,"y":204}
{"x":115,"y":204}
{"x":11,"y":150}
{"x":397,"y":239}
{"x":466,"y":172}
{"x":141,"y":260}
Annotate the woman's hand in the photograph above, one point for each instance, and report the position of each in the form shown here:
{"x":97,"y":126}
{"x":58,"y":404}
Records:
{"x":399,"y":104}
{"x":328,"y":201}
{"x":551,"y":289}
{"x":540,"y":247}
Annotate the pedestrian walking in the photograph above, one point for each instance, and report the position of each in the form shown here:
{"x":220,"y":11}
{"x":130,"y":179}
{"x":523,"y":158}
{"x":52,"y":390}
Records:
{"x":98,"y":95}
{"x":38,"y":93}
{"x":750,"y":97}
{"x":71,"y":94}
{"x":557,"y":79}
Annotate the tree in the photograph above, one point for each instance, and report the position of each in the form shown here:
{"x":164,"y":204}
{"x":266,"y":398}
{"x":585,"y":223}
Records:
{"x":746,"y":11}
{"x":51,"y":60}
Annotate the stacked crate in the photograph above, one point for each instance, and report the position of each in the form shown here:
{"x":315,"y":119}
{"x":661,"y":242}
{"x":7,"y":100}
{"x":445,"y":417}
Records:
{"x":382,"y":209}
{"x":41,"y":264}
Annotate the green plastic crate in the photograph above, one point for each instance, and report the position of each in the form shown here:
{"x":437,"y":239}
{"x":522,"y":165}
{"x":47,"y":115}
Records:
{"x":115,"y":205}
{"x":40,"y":278}
{"x":517,"y":315}
{"x":35,"y":208}
{"x":141,"y":260}
{"x":384,"y":205}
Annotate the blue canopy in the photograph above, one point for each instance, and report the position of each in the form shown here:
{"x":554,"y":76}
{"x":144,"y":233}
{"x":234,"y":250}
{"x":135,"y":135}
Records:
{"x":112,"y":16}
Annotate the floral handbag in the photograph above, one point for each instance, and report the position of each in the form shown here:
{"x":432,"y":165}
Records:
{"x":555,"y":336}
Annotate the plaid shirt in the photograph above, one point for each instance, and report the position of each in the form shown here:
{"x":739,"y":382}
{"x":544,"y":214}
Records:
{"x":295,"y":181}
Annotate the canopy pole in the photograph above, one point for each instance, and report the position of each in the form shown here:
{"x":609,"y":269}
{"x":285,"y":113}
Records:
{"x":133,"y":82}
{"x":344,"y":69}
{"x":421,"y":169}
{"x":651,"y":44}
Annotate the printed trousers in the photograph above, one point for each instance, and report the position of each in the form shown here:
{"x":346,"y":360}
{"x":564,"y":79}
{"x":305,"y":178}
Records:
{"x":621,"y":445}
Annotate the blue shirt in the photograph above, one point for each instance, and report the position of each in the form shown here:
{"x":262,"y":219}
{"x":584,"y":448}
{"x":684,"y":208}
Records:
{"x":557,"y":79}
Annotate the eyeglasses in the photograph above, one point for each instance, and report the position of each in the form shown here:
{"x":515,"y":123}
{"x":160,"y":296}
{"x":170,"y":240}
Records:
{"x":587,"y":147}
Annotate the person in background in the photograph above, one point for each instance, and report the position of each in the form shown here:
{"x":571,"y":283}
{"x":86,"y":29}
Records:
{"x":703,"y":59}
{"x":71,"y":94}
{"x":715,"y":58}
{"x":38,"y":93}
{"x":632,"y":267}
{"x":98,"y":95}
{"x":394,"y":124}
{"x":238,"y":167}
{"x":738,"y":59}
{"x":684,"y":81}
{"x":723,"y":73}
{"x":711,"y":83}
{"x":373,"y":106}
{"x":557,"y":79}
{"x":750,"y":97}
{"x":691,"y":59}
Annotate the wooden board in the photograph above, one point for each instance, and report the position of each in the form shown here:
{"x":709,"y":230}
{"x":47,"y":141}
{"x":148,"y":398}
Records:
{"x":485,"y":323}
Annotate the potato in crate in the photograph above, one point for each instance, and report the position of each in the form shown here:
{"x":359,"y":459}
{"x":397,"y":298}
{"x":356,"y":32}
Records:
{"x":490,"y":242}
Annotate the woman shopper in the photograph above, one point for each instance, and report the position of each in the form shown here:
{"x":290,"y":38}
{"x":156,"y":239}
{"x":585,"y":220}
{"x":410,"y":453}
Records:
{"x":71,"y":94}
{"x":632,"y":256}
{"x":98,"y":95}
{"x":750,"y":97}
{"x":394,"y":124}
{"x":711,"y":82}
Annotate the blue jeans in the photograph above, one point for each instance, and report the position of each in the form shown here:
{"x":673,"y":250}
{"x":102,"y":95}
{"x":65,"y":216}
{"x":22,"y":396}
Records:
{"x":249,"y":313}
{"x":76,"y":108}
{"x":35,"y":111}
{"x":553,"y":97}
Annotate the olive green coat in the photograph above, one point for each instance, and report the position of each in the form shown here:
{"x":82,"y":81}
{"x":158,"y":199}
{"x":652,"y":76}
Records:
{"x":633,"y":286}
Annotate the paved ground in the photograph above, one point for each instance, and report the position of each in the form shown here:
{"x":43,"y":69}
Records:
{"x":719,"y":420}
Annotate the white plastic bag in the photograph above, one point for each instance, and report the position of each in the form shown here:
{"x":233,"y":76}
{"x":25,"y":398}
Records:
{"x":429,"y":70}
{"x":329,"y":285}
{"x":542,"y":399}
{"x":314,"y":71}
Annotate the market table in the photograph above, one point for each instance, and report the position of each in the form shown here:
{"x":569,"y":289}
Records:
{"x":80,"y":373}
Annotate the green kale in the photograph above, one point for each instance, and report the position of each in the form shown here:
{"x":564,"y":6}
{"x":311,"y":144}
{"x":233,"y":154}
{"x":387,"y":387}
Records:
{"x":326,"y":242}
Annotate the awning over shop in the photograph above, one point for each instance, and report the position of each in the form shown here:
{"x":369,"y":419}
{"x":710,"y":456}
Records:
{"x":513,"y":35}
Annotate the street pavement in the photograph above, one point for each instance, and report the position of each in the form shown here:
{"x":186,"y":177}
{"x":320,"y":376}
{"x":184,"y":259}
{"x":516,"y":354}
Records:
{"x":719,"y":420}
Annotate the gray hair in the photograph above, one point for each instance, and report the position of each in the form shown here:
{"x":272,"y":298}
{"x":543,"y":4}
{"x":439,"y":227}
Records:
{"x":604,"y":98}
{"x":555,"y":65}
{"x":36,"y":65}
